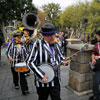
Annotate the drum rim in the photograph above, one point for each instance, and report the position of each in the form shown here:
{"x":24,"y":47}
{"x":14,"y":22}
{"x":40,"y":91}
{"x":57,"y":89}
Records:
{"x":16,"y":65}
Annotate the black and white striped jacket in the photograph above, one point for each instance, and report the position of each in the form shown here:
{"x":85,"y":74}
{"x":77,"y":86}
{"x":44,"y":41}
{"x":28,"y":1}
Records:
{"x":29,"y":46}
{"x":12,"y":52}
{"x":41,"y":53}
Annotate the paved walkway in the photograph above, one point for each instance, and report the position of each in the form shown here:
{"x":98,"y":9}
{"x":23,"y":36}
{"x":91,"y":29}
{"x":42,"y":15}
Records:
{"x":8,"y":92}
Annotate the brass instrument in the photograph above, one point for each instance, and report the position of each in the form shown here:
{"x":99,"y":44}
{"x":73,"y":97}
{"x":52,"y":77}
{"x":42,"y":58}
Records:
{"x":31,"y":21}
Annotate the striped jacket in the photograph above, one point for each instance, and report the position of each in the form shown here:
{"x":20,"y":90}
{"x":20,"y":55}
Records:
{"x":12,"y":51}
{"x":29,"y":46}
{"x":41,"y":53}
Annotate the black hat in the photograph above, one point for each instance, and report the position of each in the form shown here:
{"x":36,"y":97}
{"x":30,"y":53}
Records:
{"x":25,"y":29}
{"x":17,"y":33}
{"x":98,"y":32}
{"x":48,"y":29}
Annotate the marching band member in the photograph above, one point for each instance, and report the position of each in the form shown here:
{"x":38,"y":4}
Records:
{"x":25,"y":35}
{"x":16,"y":53}
{"x":48,"y":51}
{"x":28,"y":42}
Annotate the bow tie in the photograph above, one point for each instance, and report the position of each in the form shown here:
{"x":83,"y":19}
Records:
{"x":18,"y":42}
{"x":51,"y":45}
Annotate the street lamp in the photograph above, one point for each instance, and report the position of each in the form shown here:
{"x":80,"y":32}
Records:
{"x":84,"y":21}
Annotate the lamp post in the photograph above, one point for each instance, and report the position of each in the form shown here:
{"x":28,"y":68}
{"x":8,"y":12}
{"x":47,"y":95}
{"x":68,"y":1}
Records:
{"x":84,"y":21}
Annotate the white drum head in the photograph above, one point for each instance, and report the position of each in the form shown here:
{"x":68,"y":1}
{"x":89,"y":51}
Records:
{"x":47,"y":69}
{"x":20,"y":64}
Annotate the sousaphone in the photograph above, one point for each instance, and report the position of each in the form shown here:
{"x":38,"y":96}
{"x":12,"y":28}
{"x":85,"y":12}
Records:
{"x":31,"y":21}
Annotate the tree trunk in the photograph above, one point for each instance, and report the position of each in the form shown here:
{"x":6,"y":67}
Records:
{"x":3,"y":29}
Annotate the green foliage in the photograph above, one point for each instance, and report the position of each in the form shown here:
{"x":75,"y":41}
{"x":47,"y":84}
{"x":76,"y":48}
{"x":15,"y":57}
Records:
{"x":53,"y":13}
{"x":15,"y":9}
{"x":73,"y":16}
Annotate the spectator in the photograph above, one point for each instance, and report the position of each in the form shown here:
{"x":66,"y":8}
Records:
{"x":96,"y":63}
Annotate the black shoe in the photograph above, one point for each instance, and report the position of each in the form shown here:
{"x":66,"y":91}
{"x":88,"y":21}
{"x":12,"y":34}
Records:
{"x":17,"y":87}
{"x":94,"y":98}
{"x":25,"y":92}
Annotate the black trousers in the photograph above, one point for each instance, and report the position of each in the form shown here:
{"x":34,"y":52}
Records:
{"x":54,"y":92}
{"x":96,"y":84}
{"x":19,"y":77}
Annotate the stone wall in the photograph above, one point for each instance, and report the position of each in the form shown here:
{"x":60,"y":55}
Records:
{"x":80,"y":75}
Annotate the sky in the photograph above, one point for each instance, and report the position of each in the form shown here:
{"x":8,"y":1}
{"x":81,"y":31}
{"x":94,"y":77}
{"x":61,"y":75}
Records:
{"x":63,"y":3}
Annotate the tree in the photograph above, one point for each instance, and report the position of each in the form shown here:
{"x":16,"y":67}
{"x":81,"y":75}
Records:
{"x":14,"y":9}
{"x":42,"y":15}
{"x":73,"y":16}
{"x":94,"y":17}
{"x":53,"y":13}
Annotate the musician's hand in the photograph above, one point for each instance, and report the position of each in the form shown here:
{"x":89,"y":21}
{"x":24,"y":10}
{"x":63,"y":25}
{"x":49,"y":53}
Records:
{"x":93,"y":61}
{"x":66,"y":62}
{"x":10,"y":59}
{"x":45,"y":78}
{"x":96,"y":57}
{"x":22,"y":40}
{"x":67,"y":58}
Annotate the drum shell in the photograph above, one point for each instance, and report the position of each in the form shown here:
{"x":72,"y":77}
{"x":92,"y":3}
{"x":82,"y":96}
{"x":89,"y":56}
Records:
{"x":21,"y":67}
